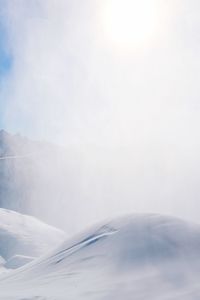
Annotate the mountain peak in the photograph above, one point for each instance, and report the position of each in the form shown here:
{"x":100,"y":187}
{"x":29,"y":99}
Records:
{"x":3,"y":133}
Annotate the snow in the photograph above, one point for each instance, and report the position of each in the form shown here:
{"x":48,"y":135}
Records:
{"x":17,"y":261}
{"x":2,"y":261}
{"x":23,"y":236}
{"x":137,"y":257}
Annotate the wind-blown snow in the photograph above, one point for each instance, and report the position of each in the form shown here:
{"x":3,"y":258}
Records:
{"x":23,"y":238}
{"x":138,"y":257}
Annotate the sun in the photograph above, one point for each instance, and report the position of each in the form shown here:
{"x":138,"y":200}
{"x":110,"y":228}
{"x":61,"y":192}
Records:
{"x":130,"y":24}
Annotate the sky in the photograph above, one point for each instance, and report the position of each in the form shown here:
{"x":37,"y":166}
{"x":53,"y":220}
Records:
{"x":5,"y":64}
{"x":63,"y":80}
{"x":6,"y":60}
{"x":126,"y":94}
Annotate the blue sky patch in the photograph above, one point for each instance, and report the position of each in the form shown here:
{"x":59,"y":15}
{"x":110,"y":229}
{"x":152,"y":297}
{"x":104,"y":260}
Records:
{"x":5,"y":55}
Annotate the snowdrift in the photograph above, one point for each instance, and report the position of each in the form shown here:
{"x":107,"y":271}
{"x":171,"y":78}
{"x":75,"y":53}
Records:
{"x":131,"y":258}
{"x":22,"y":238}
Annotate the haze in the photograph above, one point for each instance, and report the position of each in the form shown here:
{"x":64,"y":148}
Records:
{"x":130,"y":110}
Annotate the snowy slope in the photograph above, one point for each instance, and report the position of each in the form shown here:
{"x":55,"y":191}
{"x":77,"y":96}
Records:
{"x":23,"y":237}
{"x":139,"y":257}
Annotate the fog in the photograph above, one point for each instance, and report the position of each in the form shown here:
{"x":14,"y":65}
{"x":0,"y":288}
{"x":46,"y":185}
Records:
{"x":126,"y":119}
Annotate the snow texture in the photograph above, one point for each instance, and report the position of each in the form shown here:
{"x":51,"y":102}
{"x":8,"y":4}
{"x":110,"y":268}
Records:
{"x":138,"y":257}
{"x":23,"y":236}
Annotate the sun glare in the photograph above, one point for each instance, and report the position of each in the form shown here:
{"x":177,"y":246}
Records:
{"x":129,"y":23}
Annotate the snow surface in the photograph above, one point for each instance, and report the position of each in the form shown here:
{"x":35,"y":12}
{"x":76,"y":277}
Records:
{"x":23,"y":237}
{"x":138,"y":257}
{"x":18,"y":261}
{"x":2,"y":261}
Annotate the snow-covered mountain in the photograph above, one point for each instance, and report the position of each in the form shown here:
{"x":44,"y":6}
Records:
{"x":23,"y":238}
{"x":138,"y":257}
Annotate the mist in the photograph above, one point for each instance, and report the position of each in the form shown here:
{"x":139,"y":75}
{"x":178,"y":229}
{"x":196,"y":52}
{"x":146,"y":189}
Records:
{"x":126,"y":122}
